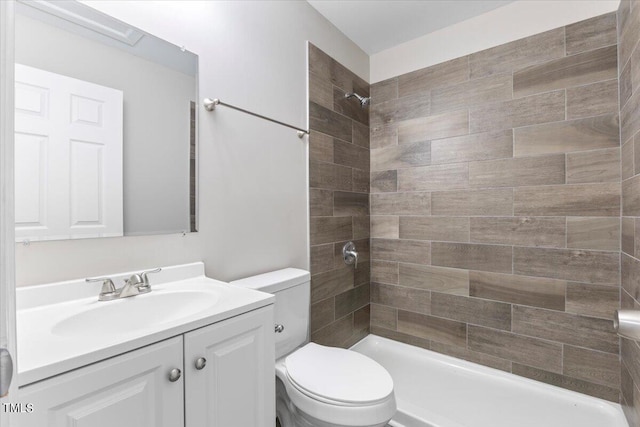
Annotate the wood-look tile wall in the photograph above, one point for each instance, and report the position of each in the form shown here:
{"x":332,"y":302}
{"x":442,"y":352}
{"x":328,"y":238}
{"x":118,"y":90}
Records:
{"x":629,"y":70}
{"x":495,"y":206}
{"x":339,"y":202}
{"x":192,"y":168}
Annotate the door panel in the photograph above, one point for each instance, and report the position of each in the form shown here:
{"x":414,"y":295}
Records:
{"x":32,"y":100}
{"x":86,"y":111}
{"x":31,"y":161}
{"x":87,"y":198}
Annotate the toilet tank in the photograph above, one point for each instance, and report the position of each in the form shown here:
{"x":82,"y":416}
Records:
{"x":291,"y":287}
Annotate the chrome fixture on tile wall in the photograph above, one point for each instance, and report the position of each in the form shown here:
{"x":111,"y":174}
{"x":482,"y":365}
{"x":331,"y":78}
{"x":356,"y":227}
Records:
{"x":364,"y":100}
{"x":627,"y":323}
{"x":349,"y":254}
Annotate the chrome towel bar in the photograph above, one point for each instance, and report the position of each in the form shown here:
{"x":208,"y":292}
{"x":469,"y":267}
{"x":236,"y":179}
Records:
{"x":210,"y":105}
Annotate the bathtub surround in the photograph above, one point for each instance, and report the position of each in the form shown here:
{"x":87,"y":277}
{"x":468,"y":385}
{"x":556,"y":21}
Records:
{"x":629,"y":70}
{"x":339,"y":202}
{"x":494,"y":202}
{"x":495,"y":207}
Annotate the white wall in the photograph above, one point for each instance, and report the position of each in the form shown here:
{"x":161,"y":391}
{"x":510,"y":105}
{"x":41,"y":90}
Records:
{"x":7,"y":290}
{"x":514,"y":21}
{"x":253,"y":174}
{"x":156,"y":158}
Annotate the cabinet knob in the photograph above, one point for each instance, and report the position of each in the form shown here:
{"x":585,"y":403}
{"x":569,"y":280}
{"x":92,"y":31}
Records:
{"x":201,"y":363}
{"x":279,"y":329}
{"x":174,"y":375}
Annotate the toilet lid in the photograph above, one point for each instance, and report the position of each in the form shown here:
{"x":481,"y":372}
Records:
{"x":338,"y":374}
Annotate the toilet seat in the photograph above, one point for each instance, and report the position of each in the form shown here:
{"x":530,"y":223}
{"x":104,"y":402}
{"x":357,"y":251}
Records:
{"x":332,"y":401}
{"x":338,"y":376}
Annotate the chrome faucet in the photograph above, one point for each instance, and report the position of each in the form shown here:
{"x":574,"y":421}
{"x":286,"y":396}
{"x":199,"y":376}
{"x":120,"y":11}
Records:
{"x":349,"y":254}
{"x":135,"y":285}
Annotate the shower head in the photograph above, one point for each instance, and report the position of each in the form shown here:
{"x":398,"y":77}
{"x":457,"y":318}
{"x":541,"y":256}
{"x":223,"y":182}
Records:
{"x":364,"y":101}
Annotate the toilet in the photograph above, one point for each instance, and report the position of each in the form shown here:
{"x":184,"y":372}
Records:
{"x":319,"y":386}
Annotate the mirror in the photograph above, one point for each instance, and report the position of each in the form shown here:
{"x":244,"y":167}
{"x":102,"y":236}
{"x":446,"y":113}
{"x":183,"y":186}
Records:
{"x":105,"y":128}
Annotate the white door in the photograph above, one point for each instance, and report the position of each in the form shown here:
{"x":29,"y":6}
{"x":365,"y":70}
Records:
{"x":236,"y":386}
{"x":68,"y":157}
{"x":131,"y":390}
{"x":8,"y":388}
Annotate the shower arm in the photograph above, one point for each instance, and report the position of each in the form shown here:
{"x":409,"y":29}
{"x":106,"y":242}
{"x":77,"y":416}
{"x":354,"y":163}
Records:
{"x":364,"y":100}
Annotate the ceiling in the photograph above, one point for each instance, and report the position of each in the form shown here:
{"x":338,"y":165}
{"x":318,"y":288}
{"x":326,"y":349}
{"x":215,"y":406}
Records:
{"x":376,"y":25}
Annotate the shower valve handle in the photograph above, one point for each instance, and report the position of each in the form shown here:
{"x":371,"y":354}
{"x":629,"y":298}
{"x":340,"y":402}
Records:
{"x":349,"y":254}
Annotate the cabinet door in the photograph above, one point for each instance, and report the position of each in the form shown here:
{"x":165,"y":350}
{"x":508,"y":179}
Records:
{"x":131,"y":390}
{"x":236,"y":388}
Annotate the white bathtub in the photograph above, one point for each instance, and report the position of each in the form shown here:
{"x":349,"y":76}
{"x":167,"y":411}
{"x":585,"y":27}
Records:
{"x":434,"y":390}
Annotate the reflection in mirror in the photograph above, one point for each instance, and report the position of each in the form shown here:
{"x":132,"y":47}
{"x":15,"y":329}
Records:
{"x":105,"y":127}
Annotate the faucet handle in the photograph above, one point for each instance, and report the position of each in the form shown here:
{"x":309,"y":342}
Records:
{"x":132,"y":287}
{"x":108,"y":288}
{"x":134,"y":280}
{"x":144,"y":274}
{"x":349,"y":254}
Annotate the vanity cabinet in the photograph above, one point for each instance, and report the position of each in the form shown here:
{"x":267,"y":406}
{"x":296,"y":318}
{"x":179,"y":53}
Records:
{"x":233,"y":388}
{"x":128,"y":390}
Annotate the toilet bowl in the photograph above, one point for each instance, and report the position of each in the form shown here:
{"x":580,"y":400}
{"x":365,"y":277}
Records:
{"x":328,"y":386}
{"x":316,"y":385}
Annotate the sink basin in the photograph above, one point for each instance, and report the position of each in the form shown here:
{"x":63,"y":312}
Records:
{"x":128,"y":315}
{"x":62,"y":326}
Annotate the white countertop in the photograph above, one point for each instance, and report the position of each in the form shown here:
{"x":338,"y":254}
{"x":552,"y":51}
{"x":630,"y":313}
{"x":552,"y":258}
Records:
{"x":44,"y":352}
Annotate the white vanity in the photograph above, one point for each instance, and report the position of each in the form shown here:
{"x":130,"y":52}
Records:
{"x":193,"y":352}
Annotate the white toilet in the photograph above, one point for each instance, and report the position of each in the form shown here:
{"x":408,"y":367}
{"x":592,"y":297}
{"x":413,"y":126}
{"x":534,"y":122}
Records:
{"x":318,"y":386}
